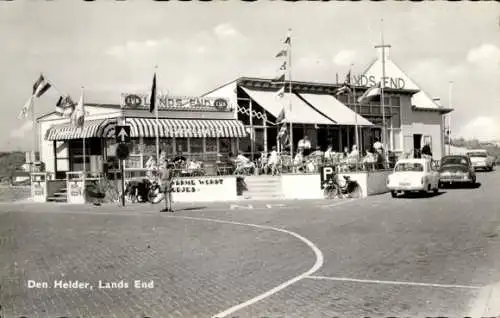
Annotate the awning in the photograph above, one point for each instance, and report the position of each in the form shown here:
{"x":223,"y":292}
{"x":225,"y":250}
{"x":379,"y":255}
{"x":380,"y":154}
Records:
{"x":335,"y":110}
{"x":301,"y":113}
{"x":186,"y":128}
{"x":98,"y":128}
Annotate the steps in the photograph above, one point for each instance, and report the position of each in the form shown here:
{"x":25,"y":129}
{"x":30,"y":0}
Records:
{"x":263,"y":188}
{"x":60,"y":196}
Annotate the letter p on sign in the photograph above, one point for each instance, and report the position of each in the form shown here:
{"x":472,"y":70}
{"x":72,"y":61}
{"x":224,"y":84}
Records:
{"x":327,"y":173}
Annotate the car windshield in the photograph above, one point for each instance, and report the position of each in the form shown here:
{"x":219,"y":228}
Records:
{"x":477,"y":154}
{"x":453,"y":161}
{"x":409,"y":166}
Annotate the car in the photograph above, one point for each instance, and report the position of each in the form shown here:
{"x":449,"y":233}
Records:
{"x":480,"y":159}
{"x":455,"y":169}
{"x":413,"y":175}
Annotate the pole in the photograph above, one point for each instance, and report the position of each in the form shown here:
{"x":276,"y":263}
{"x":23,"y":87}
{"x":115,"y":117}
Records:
{"x":356,"y":133}
{"x":450,"y":102}
{"x":123,"y":181}
{"x":382,"y":86}
{"x":157,"y":123}
{"x":84,"y":149}
{"x":290,"y":87}
{"x":252,"y":131}
{"x":35,"y":141}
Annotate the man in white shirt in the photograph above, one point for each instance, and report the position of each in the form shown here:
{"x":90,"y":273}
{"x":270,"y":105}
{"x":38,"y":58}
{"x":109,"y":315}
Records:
{"x":273,"y":160}
{"x":377,"y":145}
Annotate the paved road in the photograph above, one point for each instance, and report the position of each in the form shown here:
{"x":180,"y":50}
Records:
{"x":373,"y":257}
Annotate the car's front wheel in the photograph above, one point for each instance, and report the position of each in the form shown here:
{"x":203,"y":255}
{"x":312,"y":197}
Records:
{"x":394,"y":194}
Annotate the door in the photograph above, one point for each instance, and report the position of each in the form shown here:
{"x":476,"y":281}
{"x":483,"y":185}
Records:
{"x":417,"y":145}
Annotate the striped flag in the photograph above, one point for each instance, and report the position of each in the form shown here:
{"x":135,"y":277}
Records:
{"x":281,"y":93}
{"x":281,"y":116}
{"x":282,"y":53}
{"x":152,"y":98}
{"x":40,"y":86}
{"x":65,"y":106}
{"x":78,"y":116}
{"x":26,"y":108}
{"x":346,"y":87}
{"x":370,"y":94}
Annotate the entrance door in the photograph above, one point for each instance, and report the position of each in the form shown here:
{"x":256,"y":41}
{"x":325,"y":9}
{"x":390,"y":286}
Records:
{"x":417,"y":144}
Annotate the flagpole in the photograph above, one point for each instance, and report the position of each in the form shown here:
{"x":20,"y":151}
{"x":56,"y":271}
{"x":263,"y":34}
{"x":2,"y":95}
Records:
{"x":157,"y":122}
{"x":356,"y":134}
{"x":84,"y":151}
{"x":35,"y":141}
{"x":382,"y":86}
{"x":290,"y":87}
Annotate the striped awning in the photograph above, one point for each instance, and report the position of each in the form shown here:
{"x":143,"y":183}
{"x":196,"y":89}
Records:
{"x":186,"y":128}
{"x":100,"y":128}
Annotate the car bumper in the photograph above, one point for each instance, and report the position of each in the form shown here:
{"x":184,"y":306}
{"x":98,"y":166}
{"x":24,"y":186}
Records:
{"x":454,"y":180}
{"x":406,"y":187}
{"x":481,"y":166}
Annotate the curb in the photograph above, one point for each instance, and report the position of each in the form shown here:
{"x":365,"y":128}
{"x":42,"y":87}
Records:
{"x":487,"y":302}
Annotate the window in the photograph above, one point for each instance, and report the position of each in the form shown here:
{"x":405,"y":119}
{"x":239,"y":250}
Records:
{"x":409,"y":166}
{"x":395,"y":101}
{"x":224,"y":145}
{"x":376,"y":110}
{"x":396,"y":119}
{"x":364,"y":110}
{"x":196,"y":145}
{"x":167,"y":145}
{"x":181,"y":144}
{"x":211,"y":144}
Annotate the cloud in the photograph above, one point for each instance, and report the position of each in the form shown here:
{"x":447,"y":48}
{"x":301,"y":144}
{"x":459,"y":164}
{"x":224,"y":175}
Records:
{"x":134,"y":47}
{"x":345,"y":57}
{"x":226,"y":31}
{"x":487,"y":56}
{"x":482,"y":128}
{"x":22,"y":131}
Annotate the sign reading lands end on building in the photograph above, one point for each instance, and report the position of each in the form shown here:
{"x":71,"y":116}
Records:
{"x":138,"y":101}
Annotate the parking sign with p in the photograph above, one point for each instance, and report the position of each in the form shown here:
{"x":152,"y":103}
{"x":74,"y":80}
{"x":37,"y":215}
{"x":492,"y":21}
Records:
{"x":327,"y":173}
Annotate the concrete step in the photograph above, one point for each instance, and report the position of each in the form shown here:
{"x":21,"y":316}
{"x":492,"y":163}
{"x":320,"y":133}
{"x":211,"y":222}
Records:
{"x":60,"y":194}
{"x":57,"y":199}
{"x":262,"y":197}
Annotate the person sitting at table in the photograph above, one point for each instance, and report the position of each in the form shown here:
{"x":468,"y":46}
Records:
{"x":329,"y":154}
{"x":151,"y":167}
{"x":298,"y":161}
{"x":370,"y":158}
{"x":243,"y":163}
{"x":305,"y":145}
{"x":179,"y":159}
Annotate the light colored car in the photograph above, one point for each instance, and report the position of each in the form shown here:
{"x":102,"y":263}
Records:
{"x":413,"y":175}
{"x":480,"y":159}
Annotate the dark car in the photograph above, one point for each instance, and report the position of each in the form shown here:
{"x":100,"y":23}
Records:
{"x":456,"y":170}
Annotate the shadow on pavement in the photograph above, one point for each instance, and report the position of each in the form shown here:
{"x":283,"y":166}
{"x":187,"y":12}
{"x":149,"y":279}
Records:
{"x":192,"y":208}
{"x":477,"y":185}
{"x":417,"y":195}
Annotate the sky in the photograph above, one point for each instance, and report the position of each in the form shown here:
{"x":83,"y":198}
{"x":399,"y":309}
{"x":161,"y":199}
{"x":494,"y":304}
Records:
{"x":112,"y":47}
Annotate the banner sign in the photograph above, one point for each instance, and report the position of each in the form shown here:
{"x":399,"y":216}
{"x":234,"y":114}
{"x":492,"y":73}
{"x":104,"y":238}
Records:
{"x":370,"y":81}
{"x":197,"y":184}
{"x":130,"y":100}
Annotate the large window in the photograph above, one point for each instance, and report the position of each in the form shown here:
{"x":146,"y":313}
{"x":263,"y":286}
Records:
{"x":225,"y":145}
{"x":396,"y":119}
{"x":181,"y":144}
{"x":395,"y":101}
{"x":211,"y":144}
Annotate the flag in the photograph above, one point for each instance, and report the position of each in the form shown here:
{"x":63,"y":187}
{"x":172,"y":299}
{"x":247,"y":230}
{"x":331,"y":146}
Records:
{"x":78,"y":116}
{"x":152,"y":98}
{"x":287,"y":40}
{"x":40,"y":86}
{"x":280,"y":78}
{"x":370,"y":94}
{"x":65,"y":106}
{"x":281,"y":53}
{"x":281,"y":116}
{"x":283,"y":135}
{"x":26,"y":108}
{"x":346,"y":87}
{"x":283,"y":66}
{"x":281,"y":92}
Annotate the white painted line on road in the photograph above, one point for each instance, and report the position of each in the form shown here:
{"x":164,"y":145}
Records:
{"x":388,"y":282}
{"x":339,"y":203}
{"x":317,"y":265}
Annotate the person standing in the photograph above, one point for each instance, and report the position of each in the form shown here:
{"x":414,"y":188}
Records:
{"x":426,"y":151}
{"x":166,"y":179}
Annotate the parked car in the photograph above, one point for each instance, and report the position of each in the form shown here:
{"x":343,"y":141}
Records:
{"x":456,"y":169}
{"x":481,"y":159}
{"x":412,"y":175}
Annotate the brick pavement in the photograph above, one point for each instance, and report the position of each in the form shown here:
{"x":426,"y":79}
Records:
{"x":198,"y":268}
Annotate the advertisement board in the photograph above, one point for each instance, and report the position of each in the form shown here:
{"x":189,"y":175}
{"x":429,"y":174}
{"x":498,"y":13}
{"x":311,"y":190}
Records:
{"x":204,"y":189}
{"x":75,"y":187}
{"x":139,"y":100}
{"x":39,"y":187}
